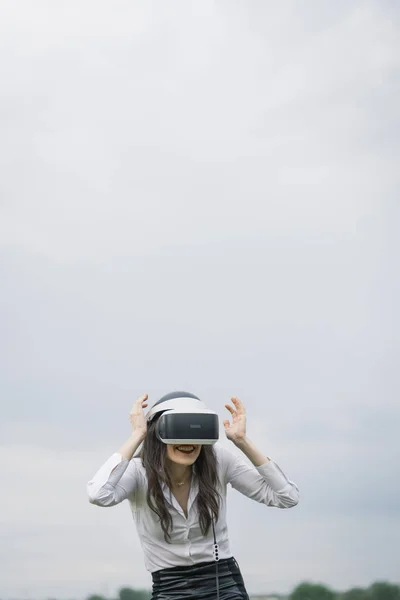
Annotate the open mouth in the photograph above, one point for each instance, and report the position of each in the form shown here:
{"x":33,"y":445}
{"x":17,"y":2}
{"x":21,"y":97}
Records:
{"x":185,"y":449}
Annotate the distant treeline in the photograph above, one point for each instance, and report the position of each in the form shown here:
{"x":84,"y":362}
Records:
{"x":381,"y":590}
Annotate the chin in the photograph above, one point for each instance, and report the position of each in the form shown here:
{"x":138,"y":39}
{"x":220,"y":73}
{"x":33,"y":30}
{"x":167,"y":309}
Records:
{"x":187,"y":455}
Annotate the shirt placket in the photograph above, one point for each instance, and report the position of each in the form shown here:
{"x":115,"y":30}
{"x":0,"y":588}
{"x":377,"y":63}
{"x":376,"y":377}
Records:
{"x":189,"y":521}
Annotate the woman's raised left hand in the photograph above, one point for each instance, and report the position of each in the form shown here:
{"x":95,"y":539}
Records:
{"x":236,"y":431}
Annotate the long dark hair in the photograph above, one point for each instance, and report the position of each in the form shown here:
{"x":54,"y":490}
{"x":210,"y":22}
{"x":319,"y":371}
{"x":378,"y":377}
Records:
{"x":154,"y":454}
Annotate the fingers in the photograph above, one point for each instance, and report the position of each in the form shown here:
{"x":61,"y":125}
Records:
{"x":140,"y":403}
{"x":231,"y":410}
{"x":239,"y":405}
{"x":226,"y":424}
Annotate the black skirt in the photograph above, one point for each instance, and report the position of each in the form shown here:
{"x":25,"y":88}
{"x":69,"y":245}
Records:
{"x":198,"y":582}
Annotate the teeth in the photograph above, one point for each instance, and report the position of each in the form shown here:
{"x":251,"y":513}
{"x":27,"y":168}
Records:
{"x":186,"y":448}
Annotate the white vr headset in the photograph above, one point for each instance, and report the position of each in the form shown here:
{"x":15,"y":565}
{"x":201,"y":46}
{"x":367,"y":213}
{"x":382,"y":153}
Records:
{"x":182,"y":418}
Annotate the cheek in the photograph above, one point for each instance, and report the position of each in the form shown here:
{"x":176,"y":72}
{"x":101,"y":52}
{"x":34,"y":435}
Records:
{"x":170,"y":452}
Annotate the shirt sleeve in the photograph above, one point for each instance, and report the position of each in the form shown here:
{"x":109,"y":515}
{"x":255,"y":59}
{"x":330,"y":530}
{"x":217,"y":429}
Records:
{"x":117,"y":479}
{"x":266,"y":484}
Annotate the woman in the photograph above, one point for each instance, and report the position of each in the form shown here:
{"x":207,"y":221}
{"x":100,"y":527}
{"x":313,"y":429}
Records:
{"x":178,"y":500}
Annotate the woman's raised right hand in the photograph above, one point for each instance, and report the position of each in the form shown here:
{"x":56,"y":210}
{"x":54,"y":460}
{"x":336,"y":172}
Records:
{"x":137,"y":417}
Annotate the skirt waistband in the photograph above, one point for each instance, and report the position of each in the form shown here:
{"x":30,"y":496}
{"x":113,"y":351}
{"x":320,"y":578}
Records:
{"x":188,"y":570}
{"x":200,"y":581}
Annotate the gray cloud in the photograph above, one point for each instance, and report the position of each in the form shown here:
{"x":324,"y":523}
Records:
{"x":199,"y":197}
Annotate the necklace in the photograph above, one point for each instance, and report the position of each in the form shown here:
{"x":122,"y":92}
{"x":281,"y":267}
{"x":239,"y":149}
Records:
{"x":181,"y":483}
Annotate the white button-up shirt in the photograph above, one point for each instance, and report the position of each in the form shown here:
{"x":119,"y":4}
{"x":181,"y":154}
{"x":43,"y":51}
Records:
{"x":119,"y":479}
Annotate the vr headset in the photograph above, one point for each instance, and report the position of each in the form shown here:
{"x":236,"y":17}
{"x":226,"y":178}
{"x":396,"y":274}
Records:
{"x":182,"y":418}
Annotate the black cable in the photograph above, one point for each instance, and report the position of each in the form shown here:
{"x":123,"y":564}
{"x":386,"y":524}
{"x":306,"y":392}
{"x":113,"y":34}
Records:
{"x":216,"y":558}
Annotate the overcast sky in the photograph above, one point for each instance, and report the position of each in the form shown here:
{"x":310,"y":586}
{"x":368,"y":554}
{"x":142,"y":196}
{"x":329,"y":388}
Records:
{"x":200,"y":196}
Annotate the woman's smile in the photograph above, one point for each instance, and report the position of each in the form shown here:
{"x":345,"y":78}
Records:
{"x":185,"y":449}
{"x":183,"y":454}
